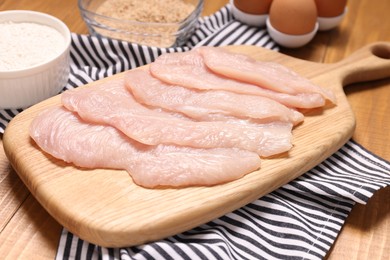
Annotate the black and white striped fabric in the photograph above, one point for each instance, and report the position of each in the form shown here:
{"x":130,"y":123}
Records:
{"x":300,"y":220}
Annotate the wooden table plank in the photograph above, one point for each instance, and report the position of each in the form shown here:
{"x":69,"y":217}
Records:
{"x":12,"y":190}
{"x":32,"y":233}
{"x":366,"y":232}
{"x":28,"y":231}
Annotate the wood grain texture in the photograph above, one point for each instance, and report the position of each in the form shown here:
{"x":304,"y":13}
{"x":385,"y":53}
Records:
{"x":12,"y":192}
{"x":106,"y":208}
{"x":33,"y":235}
{"x":365,"y":234}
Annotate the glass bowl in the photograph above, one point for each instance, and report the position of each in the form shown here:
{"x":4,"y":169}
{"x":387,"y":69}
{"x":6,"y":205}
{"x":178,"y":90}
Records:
{"x":149,"y":22}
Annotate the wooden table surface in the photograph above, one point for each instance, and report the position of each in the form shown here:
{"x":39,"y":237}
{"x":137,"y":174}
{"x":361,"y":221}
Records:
{"x":27,"y":231}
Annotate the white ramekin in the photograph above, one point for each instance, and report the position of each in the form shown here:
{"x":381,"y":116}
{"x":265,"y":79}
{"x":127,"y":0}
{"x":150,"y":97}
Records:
{"x":25,"y":87}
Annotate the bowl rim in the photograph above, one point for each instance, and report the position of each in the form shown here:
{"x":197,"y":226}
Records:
{"x":65,"y":32}
{"x":198,"y":7}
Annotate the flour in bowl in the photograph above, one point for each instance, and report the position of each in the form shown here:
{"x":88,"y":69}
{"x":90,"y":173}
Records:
{"x":23,"y":45}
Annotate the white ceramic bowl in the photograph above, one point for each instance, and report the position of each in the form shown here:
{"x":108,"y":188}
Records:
{"x":328,"y":23}
{"x":290,"y":41}
{"x":23,"y":87}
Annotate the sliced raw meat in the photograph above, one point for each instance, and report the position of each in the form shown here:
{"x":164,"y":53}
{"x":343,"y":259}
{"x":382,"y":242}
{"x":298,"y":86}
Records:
{"x":270,"y":75}
{"x":187,"y":69}
{"x":65,"y":136}
{"x":200,"y":104}
{"x":110,"y":103}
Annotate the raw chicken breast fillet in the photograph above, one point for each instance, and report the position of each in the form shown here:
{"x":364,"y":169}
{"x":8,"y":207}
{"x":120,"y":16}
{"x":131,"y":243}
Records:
{"x":188,"y":69}
{"x":65,"y":136}
{"x":271,"y":75}
{"x":200,"y":104}
{"x":110,"y":103}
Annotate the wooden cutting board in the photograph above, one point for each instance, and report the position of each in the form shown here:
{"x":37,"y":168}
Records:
{"x":106,"y":208}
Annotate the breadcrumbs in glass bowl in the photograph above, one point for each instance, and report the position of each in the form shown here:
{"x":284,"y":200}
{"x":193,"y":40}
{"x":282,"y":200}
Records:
{"x":157,"y":23}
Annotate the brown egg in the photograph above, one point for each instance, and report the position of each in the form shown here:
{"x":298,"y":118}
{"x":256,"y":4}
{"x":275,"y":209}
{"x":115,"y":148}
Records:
{"x":294,"y":17}
{"x":330,"y":8}
{"x":253,"y":6}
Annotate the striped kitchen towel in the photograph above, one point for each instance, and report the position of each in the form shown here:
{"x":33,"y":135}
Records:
{"x":300,"y":220}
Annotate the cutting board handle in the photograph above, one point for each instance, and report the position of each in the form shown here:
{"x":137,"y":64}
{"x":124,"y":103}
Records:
{"x":371,"y":62}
